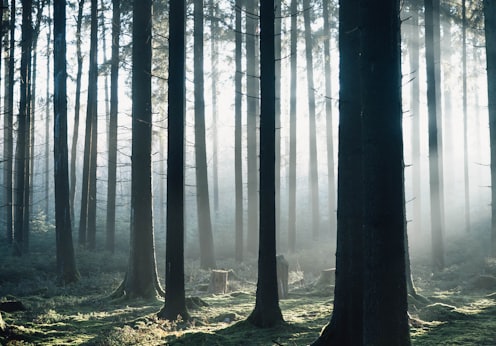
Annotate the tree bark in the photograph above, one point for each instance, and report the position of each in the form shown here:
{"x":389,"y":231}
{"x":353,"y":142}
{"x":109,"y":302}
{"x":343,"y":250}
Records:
{"x":434,"y":148}
{"x":313,"y":166}
{"x":207,"y":259}
{"x":238,"y":159}
{"x":112,"y":143}
{"x":267,"y":313}
{"x":490,"y":32}
{"x":292,"y":128}
{"x":66,"y":263}
{"x":175,"y":300}
{"x":214,"y":61}
{"x":77,"y":106}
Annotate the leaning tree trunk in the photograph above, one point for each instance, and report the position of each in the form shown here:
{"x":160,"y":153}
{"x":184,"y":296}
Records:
{"x":77,"y":106}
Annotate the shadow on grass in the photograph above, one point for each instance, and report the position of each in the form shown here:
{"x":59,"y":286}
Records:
{"x":244,"y":333}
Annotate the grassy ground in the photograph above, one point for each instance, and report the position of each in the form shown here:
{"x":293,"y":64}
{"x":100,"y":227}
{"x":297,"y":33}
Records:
{"x":461,"y":306}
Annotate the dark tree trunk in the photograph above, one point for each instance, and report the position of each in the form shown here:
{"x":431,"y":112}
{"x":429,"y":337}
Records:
{"x":277,"y":52}
{"x":313,"y":170}
{"x":292,"y":129}
{"x":385,"y":297}
{"x":207,"y":259}
{"x":434,"y":148}
{"x":331,"y":186}
{"x":21,"y":240}
{"x":238,"y":159}
{"x":141,"y":279}
{"x":114,"y":105}
{"x":8,"y":124}
{"x":252,"y":101}
{"x":346,"y":325}
{"x":87,"y":220}
{"x":66,"y":263}
{"x":267,"y":312}
{"x":105,"y":62}
{"x":77,"y":106}
{"x":175,"y":300}
{"x":490,"y":31}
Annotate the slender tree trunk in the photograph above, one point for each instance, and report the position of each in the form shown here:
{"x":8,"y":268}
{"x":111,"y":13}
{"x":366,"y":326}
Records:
{"x":213,"y":7}
{"x":465,"y":118}
{"x":105,"y":62}
{"x":47,"y":126}
{"x":77,"y":106}
{"x":238,"y":160}
{"x":252,"y":100}
{"x":292,"y":128}
{"x":114,"y":106}
{"x":414,"y":108}
{"x":313,"y":166}
{"x":207,"y":259}
{"x":66,"y":263}
{"x":434,"y":148}
{"x":21,"y":240}
{"x":331,"y":187}
{"x":267,"y":312}
{"x":175,"y":300}
{"x":87,"y":221}
{"x":490,"y":31}
{"x":8,"y":121}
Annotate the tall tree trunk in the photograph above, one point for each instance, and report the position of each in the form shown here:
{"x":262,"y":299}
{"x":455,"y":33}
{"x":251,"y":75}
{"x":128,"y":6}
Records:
{"x":385,"y":296}
{"x":77,"y":106}
{"x":105,"y":62}
{"x":292,"y":128}
{"x":490,"y":31}
{"x":9,"y":124}
{"x":238,"y":159}
{"x":415,"y":116}
{"x":465,"y":118}
{"x":313,"y":166}
{"x":66,"y":263}
{"x":213,"y":7}
{"x":252,"y":101}
{"x":21,"y":240}
{"x":267,"y":312}
{"x":434,"y":148}
{"x":207,"y":259}
{"x":277,"y":52}
{"x":331,"y":187}
{"x":112,"y":142}
{"x":47,"y":126}
{"x":175,"y":300}
{"x":346,"y":324}
{"x":87,"y":220}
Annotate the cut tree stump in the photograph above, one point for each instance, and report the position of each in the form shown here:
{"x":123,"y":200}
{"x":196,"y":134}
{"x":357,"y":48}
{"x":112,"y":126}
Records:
{"x":218,"y":281}
{"x":327,"y":277}
{"x":282,"y":276}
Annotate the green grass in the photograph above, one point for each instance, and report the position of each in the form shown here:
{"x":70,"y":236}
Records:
{"x":458,"y":312}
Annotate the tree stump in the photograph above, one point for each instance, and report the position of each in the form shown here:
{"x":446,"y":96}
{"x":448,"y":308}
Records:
{"x":3,"y":326}
{"x":218,"y":281}
{"x":327,"y":277}
{"x":282,"y":276}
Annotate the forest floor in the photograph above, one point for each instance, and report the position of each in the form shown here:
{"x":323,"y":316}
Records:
{"x":459,"y":306}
